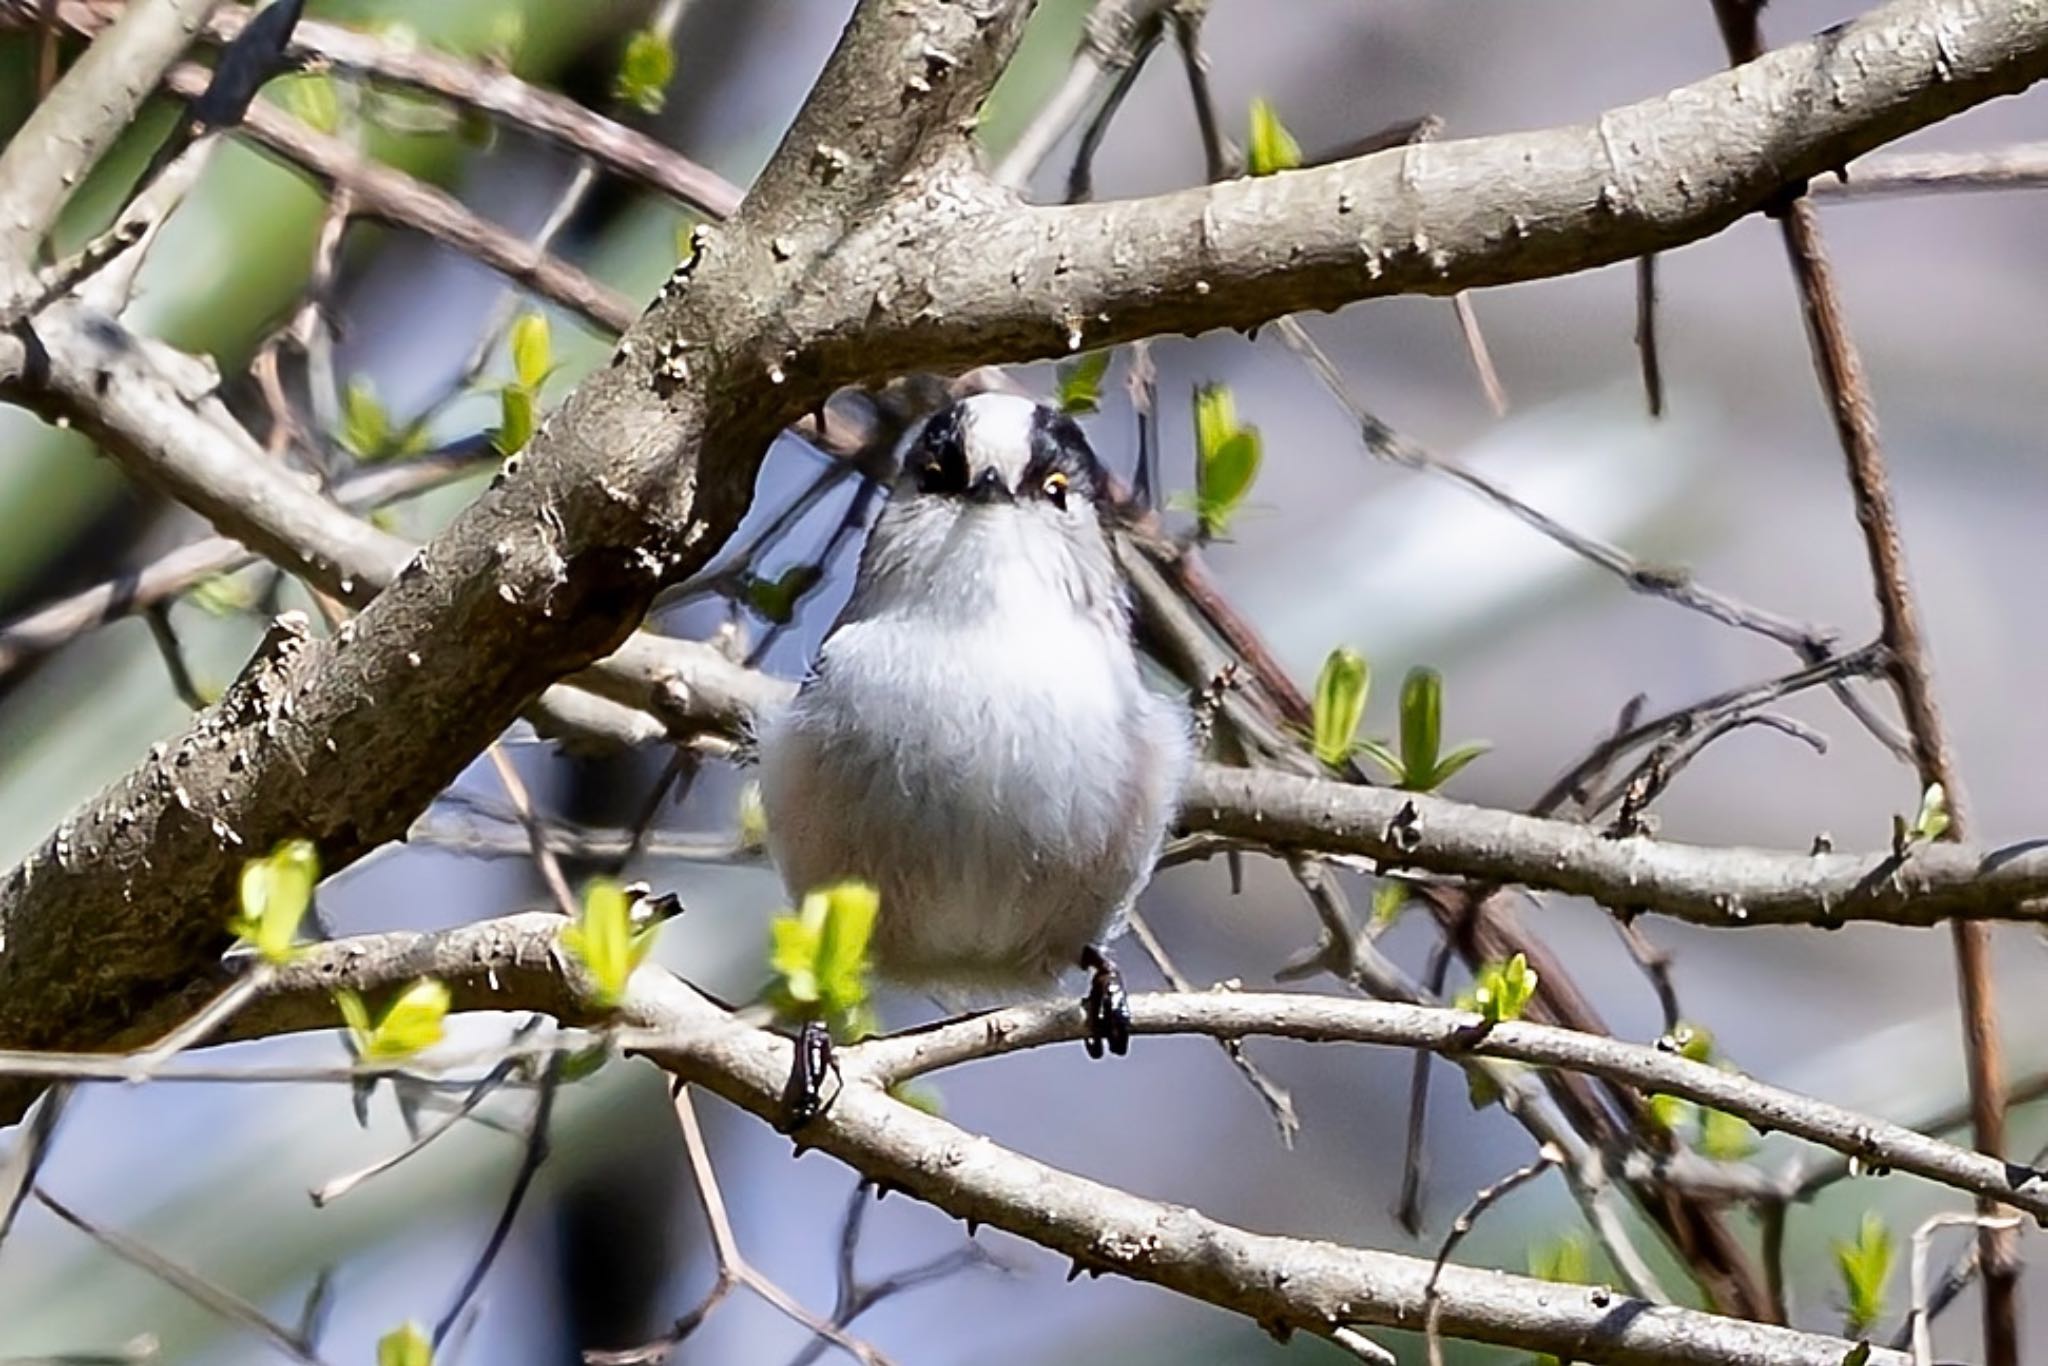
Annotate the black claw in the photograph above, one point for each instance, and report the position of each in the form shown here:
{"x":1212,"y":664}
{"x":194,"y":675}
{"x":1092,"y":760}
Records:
{"x":1107,"y":1005}
{"x":803,"y":1095}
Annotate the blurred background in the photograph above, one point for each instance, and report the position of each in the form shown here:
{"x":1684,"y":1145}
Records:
{"x":1740,"y":481}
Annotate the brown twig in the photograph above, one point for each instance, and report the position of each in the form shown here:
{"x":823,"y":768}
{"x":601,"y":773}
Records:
{"x":1848,"y":394}
{"x":391,"y":196}
{"x":734,"y":1270}
{"x":185,"y":1281}
{"x":489,"y":90}
{"x":1279,"y":1105}
{"x":1546,"y":1158}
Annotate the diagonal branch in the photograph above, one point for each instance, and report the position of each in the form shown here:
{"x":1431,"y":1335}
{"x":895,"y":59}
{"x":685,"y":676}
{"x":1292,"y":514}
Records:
{"x":490,"y":90}
{"x":65,"y":136}
{"x":1431,"y":218}
{"x":635,"y":480}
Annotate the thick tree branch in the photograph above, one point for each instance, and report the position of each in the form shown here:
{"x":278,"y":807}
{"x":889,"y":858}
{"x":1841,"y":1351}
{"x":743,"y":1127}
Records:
{"x":636,"y":479}
{"x":1431,"y":218}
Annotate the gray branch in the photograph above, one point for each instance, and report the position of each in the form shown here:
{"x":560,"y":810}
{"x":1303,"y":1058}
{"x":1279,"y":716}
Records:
{"x":65,"y":135}
{"x":1285,"y":1284}
{"x":648,"y":465}
{"x":1429,"y":218}
{"x":1723,"y":887}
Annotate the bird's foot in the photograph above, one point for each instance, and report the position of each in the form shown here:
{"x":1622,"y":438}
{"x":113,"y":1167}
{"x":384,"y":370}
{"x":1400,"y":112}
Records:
{"x":1108,"y":1007}
{"x":803,"y":1095}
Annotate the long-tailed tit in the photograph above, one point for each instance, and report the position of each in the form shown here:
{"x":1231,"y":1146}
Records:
{"x":975,"y":738}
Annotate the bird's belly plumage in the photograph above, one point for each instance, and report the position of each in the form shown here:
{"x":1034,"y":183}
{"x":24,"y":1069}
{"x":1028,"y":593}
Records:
{"x":1004,"y":786}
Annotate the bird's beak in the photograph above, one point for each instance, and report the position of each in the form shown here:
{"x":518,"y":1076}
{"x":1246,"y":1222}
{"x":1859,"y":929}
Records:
{"x":988,"y":487}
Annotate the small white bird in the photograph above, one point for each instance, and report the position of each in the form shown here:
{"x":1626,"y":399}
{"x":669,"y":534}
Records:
{"x":975,"y":739}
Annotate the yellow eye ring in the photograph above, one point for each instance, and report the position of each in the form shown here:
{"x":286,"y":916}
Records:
{"x":1055,"y":488}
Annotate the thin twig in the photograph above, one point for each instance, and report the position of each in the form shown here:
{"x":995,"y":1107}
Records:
{"x":1279,"y":1105}
{"x":536,"y":835}
{"x":32,"y":1142}
{"x":1646,"y":333}
{"x":1546,"y":1158}
{"x":173,"y":654}
{"x":1919,"y":1318}
{"x":529,"y":1167}
{"x":185,"y":1281}
{"x":855,"y":1296}
{"x":1843,"y":382}
{"x":327,"y":1193}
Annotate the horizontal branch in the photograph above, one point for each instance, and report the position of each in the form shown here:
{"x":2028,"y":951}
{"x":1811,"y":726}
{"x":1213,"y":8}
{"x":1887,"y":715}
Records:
{"x":1459,"y":1033}
{"x":1007,"y":281}
{"x":1706,"y":885}
{"x":1285,"y":1284}
{"x":2022,"y":166}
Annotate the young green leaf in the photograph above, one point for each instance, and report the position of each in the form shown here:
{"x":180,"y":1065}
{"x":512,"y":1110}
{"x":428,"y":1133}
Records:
{"x":355,"y":1016}
{"x":312,"y":100}
{"x":1501,"y":991}
{"x":365,"y":426}
{"x":843,"y":944}
{"x":1080,"y":382}
{"x":1481,"y":1090}
{"x":1694,"y":1043}
{"x":507,"y":37}
{"x":222,"y":595}
{"x":644,"y":72}
{"x":405,"y":1345}
{"x":1339,"y":705}
{"x":275,"y":893}
{"x":1272,"y":148}
{"x":1725,"y":1137}
{"x":1933,"y":820}
{"x":1422,"y":722}
{"x":820,"y":957}
{"x":532,"y":353}
{"x":1215,"y":417}
{"x":410,"y":1023}
{"x":1565,"y":1261}
{"x":776,"y":599}
{"x":1422,"y":766}
{"x":1377,"y":751}
{"x":515,"y":419}
{"x":1866,"y":1266}
{"x":1389,"y":899}
{"x":1673,"y":1114}
{"x":920,"y":1095}
{"x":1227,"y":458}
{"x":604,"y":941}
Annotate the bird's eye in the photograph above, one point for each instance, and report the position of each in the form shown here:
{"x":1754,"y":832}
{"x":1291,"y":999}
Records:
{"x":1055,"y":489}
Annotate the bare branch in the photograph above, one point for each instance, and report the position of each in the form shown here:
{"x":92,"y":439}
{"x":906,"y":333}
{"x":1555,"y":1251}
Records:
{"x":66,"y":134}
{"x":1432,"y":218}
{"x":1725,"y":888}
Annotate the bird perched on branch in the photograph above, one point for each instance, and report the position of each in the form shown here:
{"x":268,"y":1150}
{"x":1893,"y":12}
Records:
{"x":975,"y":738}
